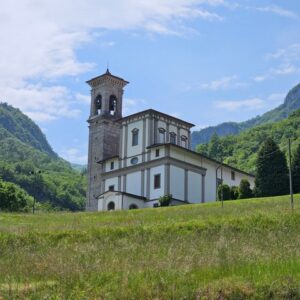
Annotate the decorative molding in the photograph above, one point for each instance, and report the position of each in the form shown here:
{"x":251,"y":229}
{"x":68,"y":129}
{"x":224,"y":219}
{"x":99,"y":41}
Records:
{"x":155,"y":163}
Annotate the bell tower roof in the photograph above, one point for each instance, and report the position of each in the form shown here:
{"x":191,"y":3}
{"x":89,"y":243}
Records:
{"x":107,"y":77}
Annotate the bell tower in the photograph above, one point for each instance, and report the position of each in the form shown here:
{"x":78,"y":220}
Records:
{"x":104,"y":129}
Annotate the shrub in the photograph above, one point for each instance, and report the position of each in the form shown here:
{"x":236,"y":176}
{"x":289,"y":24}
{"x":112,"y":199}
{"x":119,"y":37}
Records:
{"x":165,"y":200}
{"x":226,"y":192}
{"x":245,"y":190}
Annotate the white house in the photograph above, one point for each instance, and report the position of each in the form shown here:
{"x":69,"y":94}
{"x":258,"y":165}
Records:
{"x":134,"y":160}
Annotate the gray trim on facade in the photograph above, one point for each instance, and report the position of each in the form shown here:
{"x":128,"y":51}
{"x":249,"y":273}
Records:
{"x":124,"y":182}
{"x":144,"y":140}
{"x":119,"y":183}
{"x":167,"y":179}
{"x":125,"y":146}
{"x":186,"y":187}
{"x":122,"y":193}
{"x":148,"y":184}
{"x":189,"y":140}
{"x":155,"y":163}
{"x":143,"y":182}
{"x":155,"y":130}
{"x":150,"y":132}
{"x":200,"y":155}
{"x":178,"y":136}
{"x":168,"y":133}
{"x":103,"y":185}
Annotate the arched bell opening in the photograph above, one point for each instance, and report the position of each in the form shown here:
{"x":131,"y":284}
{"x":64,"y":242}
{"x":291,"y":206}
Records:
{"x":98,"y":105}
{"x":112,"y":105}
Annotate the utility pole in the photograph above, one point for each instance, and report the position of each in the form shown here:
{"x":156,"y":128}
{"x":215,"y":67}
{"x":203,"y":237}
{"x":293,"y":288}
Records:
{"x":222,"y":182}
{"x":290,"y":174}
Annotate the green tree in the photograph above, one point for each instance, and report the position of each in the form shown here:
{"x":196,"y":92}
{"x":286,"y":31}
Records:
{"x":13,"y":198}
{"x":226,"y":192}
{"x":215,"y":149}
{"x":296,"y":170}
{"x":245,"y":191}
{"x":272,"y":172}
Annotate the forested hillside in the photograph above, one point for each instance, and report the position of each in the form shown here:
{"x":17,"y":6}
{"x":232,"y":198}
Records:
{"x":27,"y":160}
{"x":291,"y":103}
{"x":241,"y":150}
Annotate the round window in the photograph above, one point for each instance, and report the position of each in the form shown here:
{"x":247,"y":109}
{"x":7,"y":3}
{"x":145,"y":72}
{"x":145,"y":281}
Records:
{"x":134,"y":160}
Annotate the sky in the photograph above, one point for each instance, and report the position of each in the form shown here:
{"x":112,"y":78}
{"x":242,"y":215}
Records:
{"x":204,"y":61}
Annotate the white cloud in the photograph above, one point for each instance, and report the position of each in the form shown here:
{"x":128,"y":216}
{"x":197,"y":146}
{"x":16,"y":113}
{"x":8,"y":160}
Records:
{"x":39,"y":40}
{"x":131,"y":106}
{"x":39,"y":102}
{"x":107,"y":44}
{"x":81,"y":98}
{"x":74,"y":155}
{"x":223,"y":83}
{"x":199,"y":127}
{"x":278,"y":11}
{"x":260,"y":78}
{"x":286,"y":61}
{"x":285,"y":69}
{"x":247,"y":104}
{"x":275,"y":99}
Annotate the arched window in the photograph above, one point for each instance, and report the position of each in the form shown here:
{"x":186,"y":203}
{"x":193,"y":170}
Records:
{"x":161,"y":135}
{"x":111,"y":206}
{"x":173,"y":138}
{"x":135,"y":137}
{"x":112,"y":104}
{"x":98,"y":104}
{"x":184,"y":141}
{"x":133,"y":206}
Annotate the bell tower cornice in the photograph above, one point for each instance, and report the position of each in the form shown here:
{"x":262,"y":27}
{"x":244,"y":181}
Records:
{"x":107,"y":77}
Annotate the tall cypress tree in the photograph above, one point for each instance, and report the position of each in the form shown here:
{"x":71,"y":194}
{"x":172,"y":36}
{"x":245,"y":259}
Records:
{"x":296,"y":170}
{"x":271,"y":171}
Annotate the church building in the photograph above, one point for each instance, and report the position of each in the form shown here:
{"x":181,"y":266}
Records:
{"x":134,"y":160}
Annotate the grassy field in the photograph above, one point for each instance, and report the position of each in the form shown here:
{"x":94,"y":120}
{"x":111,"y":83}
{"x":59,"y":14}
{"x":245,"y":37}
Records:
{"x":250,"y":249}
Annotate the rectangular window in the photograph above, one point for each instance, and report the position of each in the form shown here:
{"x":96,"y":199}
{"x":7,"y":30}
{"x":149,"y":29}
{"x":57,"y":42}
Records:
{"x":184,"y":142}
{"x":161,"y":135}
{"x":157,"y":181}
{"x":232,"y":175}
{"x":157,"y":153}
{"x":172,"y":138}
{"x":111,"y":188}
{"x":135,"y":137}
{"x":112,"y":165}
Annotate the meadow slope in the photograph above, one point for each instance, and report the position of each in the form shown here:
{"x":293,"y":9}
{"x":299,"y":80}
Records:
{"x":249,"y":249}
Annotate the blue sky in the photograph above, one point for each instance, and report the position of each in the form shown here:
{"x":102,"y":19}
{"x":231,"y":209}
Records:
{"x":205,"y":61}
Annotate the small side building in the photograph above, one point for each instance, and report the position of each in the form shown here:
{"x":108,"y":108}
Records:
{"x":134,"y":160}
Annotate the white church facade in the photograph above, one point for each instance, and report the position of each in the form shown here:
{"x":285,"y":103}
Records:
{"x":134,"y":160}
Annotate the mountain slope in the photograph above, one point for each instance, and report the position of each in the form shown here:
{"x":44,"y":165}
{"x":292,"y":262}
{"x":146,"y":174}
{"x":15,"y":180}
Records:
{"x":241,"y":150}
{"x":291,"y":103}
{"x":23,"y":128}
{"x":23,"y":149}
